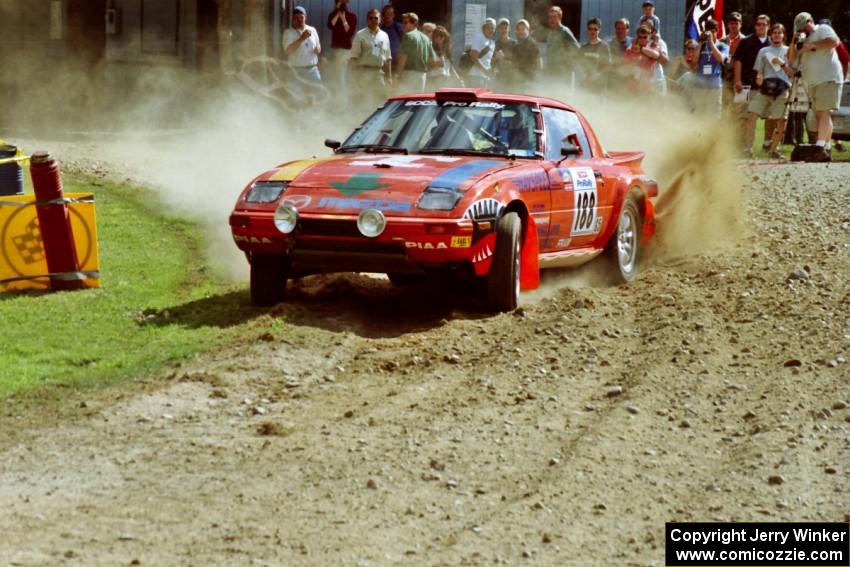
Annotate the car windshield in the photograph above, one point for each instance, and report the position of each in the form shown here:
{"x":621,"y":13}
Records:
{"x":431,"y":126}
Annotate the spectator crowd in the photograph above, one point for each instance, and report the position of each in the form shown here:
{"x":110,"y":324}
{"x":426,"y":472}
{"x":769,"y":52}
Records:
{"x":773,"y":73}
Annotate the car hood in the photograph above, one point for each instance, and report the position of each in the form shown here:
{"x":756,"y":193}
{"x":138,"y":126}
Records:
{"x":391,"y":183}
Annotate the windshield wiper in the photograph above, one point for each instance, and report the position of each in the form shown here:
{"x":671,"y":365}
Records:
{"x":374,"y":148}
{"x":462,"y":152}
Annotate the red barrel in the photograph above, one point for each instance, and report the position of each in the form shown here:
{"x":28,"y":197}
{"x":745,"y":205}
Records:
{"x":55,"y":223}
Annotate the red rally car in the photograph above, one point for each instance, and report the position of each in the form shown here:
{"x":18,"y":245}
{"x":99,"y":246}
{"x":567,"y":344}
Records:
{"x":493,"y":186}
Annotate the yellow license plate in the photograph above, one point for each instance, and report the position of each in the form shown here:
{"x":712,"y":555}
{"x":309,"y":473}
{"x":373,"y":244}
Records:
{"x":461,"y":241}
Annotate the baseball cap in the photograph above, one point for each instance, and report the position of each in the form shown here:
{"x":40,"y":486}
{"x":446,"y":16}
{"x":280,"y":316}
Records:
{"x":489,"y":22}
{"x":801,"y":20}
{"x":734,"y":17}
{"x":504,"y":21}
{"x":299,"y":10}
{"x":648,"y":3}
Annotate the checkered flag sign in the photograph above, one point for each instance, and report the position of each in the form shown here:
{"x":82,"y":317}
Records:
{"x":29,"y":244}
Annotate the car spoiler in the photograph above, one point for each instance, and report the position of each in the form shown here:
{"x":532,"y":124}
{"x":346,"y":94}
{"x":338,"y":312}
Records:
{"x":630,"y":159}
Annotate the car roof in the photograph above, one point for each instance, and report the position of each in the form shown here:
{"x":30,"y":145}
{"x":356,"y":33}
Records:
{"x":467,"y":94}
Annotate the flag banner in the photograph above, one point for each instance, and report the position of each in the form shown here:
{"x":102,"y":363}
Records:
{"x":700,"y":12}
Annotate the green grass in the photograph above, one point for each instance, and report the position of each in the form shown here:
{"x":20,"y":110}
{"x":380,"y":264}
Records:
{"x":786,"y":150}
{"x":158,"y":303}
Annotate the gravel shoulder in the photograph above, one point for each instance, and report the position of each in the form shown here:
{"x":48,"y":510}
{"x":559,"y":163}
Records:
{"x":398,"y":426}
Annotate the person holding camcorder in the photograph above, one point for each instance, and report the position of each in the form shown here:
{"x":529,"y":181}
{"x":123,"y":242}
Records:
{"x":708,"y":80}
{"x":814,"y":46}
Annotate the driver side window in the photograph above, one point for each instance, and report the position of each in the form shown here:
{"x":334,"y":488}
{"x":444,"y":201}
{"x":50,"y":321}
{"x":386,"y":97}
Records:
{"x":560,"y":124}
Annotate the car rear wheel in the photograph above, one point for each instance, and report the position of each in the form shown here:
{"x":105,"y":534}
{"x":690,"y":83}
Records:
{"x":623,"y":250}
{"x":503,"y":279}
{"x":268,"y":280}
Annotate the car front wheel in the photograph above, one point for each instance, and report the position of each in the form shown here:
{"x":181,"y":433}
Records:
{"x":503,"y":279}
{"x":268,"y":280}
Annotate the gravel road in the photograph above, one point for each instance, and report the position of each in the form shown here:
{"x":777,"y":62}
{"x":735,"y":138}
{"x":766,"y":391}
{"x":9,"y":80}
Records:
{"x":386,"y":426}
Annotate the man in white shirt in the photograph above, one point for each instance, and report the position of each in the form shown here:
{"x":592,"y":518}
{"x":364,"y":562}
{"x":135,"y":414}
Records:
{"x":821,"y":70}
{"x":481,"y":52}
{"x":302,"y":47}
{"x":370,"y":60}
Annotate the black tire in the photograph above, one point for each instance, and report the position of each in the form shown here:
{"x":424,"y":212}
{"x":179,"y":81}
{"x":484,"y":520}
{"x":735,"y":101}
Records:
{"x":268,"y":280}
{"x":503,"y":279}
{"x":404,"y":280}
{"x":623,"y":250}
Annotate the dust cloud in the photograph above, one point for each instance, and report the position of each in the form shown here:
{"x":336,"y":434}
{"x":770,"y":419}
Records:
{"x":197,"y":141}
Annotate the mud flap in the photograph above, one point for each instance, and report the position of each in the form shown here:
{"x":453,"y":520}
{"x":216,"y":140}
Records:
{"x":648,"y":230}
{"x":529,"y":277}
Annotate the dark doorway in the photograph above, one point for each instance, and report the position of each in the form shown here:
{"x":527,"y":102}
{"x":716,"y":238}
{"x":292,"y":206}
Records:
{"x":86,"y":31}
{"x":207,"y":36}
{"x":436,"y":11}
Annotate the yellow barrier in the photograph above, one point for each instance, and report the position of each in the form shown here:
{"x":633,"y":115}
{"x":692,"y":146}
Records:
{"x":22,"y":262}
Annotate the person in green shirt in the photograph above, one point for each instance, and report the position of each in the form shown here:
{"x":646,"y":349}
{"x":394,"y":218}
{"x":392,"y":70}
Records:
{"x":414,"y":56}
{"x":562,"y":47}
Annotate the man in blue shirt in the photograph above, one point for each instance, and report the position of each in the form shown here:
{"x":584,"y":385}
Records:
{"x":708,"y":79}
{"x":394,"y":29}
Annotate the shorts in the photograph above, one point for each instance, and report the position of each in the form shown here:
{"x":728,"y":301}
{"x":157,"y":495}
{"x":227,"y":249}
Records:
{"x":767,"y":106}
{"x":825,"y":96}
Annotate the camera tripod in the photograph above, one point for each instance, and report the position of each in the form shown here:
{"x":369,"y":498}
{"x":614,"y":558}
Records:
{"x":792,"y":117}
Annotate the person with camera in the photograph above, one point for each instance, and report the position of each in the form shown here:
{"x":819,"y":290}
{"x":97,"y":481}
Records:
{"x":708,"y":81}
{"x":814,"y":45}
{"x":771,"y":68}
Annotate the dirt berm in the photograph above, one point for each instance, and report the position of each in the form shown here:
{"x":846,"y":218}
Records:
{"x":400,"y":427}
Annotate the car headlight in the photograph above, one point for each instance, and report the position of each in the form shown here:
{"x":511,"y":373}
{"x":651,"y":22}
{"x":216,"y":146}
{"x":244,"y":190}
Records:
{"x":439,"y":199}
{"x":371,"y":223}
{"x":265,"y":191}
{"x":285,"y":218}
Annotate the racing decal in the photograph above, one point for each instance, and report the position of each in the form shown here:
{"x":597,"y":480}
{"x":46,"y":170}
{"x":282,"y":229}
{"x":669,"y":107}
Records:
{"x":456,"y":103}
{"x":400,"y":161}
{"x":482,"y":254}
{"x":585,"y":201}
{"x":426,"y":245}
{"x":484,"y":209}
{"x":461,"y":241}
{"x":251,"y":239}
{"x":297,"y":201}
{"x":379,"y":204}
{"x":291,"y":170}
{"x":563,"y":242}
{"x":360,"y":183}
{"x":452,"y":178}
{"x":537,"y":181}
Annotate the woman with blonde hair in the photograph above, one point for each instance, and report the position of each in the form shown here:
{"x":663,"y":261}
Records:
{"x":442,"y":72}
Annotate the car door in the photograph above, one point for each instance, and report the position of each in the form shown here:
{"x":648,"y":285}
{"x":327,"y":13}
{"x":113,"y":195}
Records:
{"x":578,"y":208}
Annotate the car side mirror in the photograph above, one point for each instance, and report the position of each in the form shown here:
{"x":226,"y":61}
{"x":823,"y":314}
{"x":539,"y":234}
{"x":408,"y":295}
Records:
{"x":569,"y":149}
{"x":332,"y":144}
